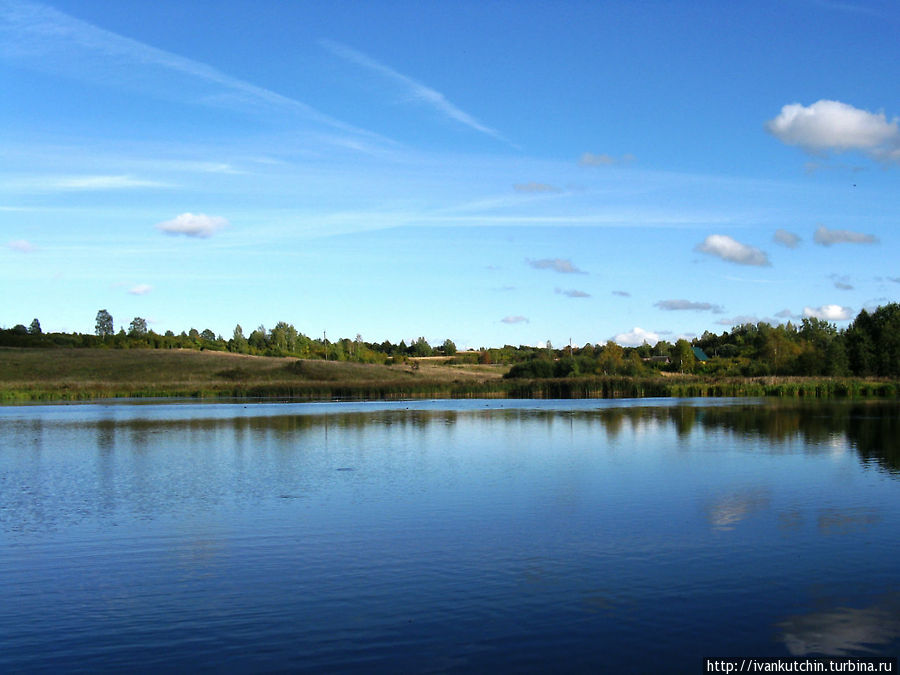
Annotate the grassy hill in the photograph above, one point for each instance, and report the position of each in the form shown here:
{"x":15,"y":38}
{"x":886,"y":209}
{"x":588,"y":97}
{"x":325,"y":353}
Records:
{"x":73,"y":374}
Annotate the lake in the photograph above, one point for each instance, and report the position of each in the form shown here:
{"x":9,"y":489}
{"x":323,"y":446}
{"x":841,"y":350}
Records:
{"x":446,"y":536}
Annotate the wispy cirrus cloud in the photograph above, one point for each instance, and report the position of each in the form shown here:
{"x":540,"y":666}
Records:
{"x":514,"y":319}
{"x":688,"y":305}
{"x":193,"y":225}
{"x":416,"y":90}
{"x":835,"y":126}
{"x":83,"y":183}
{"x":44,"y":38}
{"x":825,"y":237}
{"x":533,"y":187}
{"x":728,"y":249}
{"x":140,"y":289}
{"x":561,"y":265}
{"x":622,"y":294}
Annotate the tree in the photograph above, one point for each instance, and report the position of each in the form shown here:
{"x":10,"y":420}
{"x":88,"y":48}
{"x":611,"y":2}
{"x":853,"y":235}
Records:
{"x":104,"y":324}
{"x":238,"y":341}
{"x":449,"y":347}
{"x":421,"y":348}
{"x":137,"y":328}
{"x":684,"y":356}
{"x":35,"y":327}
{"x":208,"y":335}
{"x":611,"y":359}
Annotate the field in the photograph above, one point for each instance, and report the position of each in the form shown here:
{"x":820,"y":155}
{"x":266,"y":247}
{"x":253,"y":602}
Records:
{"x":75,"y":374}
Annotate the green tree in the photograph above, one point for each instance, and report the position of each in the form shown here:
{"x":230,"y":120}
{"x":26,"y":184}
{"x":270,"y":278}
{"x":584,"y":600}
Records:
{"x":421,"y":348}
{"x":208,"y":335}
{"x":104,"y":324}
{"x":35,"y":327}
{"x":449,"y":347}
{"x":137,"y":328}
{"x":684,"y":358}
{"x":611,"y":359}
{"x":239,"y":343}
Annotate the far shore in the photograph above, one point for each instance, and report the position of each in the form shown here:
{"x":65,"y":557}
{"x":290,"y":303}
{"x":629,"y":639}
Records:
{"x":28,"y":375}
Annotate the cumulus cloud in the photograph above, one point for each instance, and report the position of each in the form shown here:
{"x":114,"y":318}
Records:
{"x":787,"y":314}
{"x":572,"y":293}
{"x":826,"y":237}
{"x":622,"y":294}
{"x":786,"y":238}
{"x":533,"y":187}
{"x":728,"y":249}
{"x":636,"y":337}
{"x":514,"y":319}
{"x":829,"y":313}
{"x":681,"y":305}
{"x":140,"y":289}
{"x":21,"y":246}
{"x":193,"y":225}
{"x":602,"y":159}
{"x":563,"y":266}
{"x":832,"y":125}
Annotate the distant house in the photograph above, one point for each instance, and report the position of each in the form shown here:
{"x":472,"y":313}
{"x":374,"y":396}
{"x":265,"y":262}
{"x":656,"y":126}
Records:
{"x":657,"y":359}
{"x":700,"y":354}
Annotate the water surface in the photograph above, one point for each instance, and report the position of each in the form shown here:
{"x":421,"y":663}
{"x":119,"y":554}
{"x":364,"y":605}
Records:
{"x":446,"y":536}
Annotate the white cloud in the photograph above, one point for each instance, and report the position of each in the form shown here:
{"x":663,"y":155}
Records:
{"x":103,"y":183}
{"x":728,"y":249}
{"x":47,"y":39}
{"x":140,"y":289}
{"x":514,"y":319}
{"x":681,"y":305}
{"x":622,"y":294}
{"x":826,"y":237}
{"x":787,"y":314}
{"x":602,"y":159}
{"x":829,"y":312}
{"x":786,"y":238}
{"x":533,"y":187}
{"x":572,"y":293}
{"x":636,"y":337}
{"x":739,"y":320}
{"x":193,"y":225}
{"x":416,"y":90}
{"x":563,"y":266}
{"x":832,"y":125}
{"x":21,"y":246}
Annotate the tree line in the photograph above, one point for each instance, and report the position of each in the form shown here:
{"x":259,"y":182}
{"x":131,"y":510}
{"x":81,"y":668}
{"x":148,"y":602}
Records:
{"x":869,"y":346}
{"x":281,"y":340}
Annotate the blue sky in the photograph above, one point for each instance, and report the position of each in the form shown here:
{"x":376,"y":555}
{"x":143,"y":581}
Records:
{"x":495,"y":173}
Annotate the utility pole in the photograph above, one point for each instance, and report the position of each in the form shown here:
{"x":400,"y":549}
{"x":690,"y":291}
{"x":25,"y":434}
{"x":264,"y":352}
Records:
{"x":325,"y":344}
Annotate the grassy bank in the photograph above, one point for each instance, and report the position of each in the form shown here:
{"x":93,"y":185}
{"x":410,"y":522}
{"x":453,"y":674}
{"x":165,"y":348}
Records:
{"x":84,"y":374}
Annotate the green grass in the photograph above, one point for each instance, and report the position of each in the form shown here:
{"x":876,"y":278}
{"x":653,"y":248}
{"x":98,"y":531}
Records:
{"x":83,"y":374}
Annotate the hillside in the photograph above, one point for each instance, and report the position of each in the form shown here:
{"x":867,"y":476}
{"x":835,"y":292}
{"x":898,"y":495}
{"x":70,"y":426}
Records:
{"x":73,"y":374}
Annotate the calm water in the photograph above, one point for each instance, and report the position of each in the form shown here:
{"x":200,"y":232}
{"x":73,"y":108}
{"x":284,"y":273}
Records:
{"x":450,"y":536}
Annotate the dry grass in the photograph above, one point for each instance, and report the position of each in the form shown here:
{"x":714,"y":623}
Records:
{"x":86,"y":373}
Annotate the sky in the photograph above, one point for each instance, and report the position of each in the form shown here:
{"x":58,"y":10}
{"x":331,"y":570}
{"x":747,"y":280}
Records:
{"x":492,"y":173}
